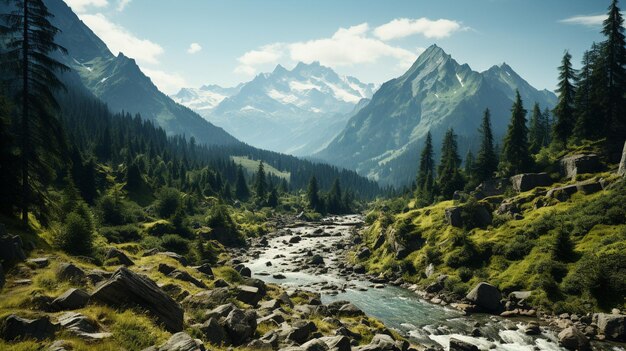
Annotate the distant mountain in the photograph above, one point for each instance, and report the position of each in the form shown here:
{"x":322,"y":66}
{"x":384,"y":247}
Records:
{"x":383,"y":140}
{"x":294,"y":111}
{"x":119,"y":82}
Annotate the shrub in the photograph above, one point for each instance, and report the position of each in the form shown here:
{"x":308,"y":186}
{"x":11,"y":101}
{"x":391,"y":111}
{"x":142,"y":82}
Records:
{"x":168,"y":202}
{"x":223,"y":227}
{"x":121,"y":234}
{"x":173,"y":242}
{"x":75,"y":236}
{"x":111,"y":210}
{"x":151,"y":242}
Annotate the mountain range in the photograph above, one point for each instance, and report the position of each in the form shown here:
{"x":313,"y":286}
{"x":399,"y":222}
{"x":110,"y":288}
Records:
{"x":120,"y":83}
{"x":294,"y":111}
{"x":383,"y":140}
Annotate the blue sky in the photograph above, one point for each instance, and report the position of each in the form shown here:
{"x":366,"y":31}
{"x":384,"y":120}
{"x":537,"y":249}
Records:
{"x":195,"y":42}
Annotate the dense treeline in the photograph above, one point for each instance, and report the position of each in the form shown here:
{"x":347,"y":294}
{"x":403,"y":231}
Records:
{"x":591,"y":107}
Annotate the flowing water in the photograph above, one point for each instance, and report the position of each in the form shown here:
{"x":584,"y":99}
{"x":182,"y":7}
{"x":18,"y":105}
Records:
{"x":398,"y":308}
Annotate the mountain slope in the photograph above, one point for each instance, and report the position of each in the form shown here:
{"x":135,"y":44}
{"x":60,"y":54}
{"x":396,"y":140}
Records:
{"x":383,"y":140}
{"x":302,"y":109}
{"x":119,"y":82}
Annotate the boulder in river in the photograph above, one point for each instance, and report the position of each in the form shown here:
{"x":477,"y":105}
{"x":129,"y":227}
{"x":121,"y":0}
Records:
{"x":485,"y":296}
{"x":460,"y":345}
{"x":126,"y":287}
{"x":573,"y":339}
{"x":613,"y":326}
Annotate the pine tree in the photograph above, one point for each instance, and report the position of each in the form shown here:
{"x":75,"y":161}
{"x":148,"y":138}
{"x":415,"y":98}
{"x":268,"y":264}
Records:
{"x":585,"y":111}
{"x":469,"y":163}
{"x":515,"y":152}
{"x":425,"y":177}
{"x":260,"y":185}
{"x":546,"y":122}
{"x":450,"y":178}
{"x":272,"y":199}
{"x":535,"y":131}
{"x":614,"y":62}
{"x":487,"y":160}
{"x":29,"y":61}
{"x":242,"y":193}
{"x":313,"y":195}
{"x":334,"y":198}
{"x":8,"y":162}
{"x":564,"y":110}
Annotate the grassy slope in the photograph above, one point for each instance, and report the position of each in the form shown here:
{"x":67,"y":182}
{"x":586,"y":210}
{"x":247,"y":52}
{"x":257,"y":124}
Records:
{"x":252,"y":166}
{"x":513,"y":254}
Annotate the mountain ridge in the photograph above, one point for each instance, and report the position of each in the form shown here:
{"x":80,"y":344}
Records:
{"x":434,"y":94}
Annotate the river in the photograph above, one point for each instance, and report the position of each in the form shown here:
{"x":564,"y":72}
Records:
{"x":287,"y":263}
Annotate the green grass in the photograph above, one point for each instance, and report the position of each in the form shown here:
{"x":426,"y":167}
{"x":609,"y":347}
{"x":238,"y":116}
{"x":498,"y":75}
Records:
{"x":252,"y":166}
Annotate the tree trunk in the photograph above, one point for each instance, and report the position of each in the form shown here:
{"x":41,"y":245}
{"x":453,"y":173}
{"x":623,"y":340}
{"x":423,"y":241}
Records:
{"x":25,"y":122}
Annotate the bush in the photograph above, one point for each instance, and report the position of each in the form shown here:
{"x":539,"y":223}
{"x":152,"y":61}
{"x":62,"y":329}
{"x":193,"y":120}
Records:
{"x":121,"y":234}
{"x":223,"y":227}
{"x":112,"y":211}
{"x":173,"y":242}
{"x":76,"y":236}
{"x":151,"y":242}
{"x":168,"y":202}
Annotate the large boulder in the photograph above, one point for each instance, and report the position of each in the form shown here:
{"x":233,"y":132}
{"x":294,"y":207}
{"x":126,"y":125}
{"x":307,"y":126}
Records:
{"x":208,"y":299}
{"x":214,"y":333}
{"x":180,"y":342}
{"x":82,"y":326}
{"x":528,"y":181}
{"x":613,"y":326}
{"x":493,"y":187}
{"x":622,"y":164}
{"x":11,"y":248}
{"x":380,"y":342}
{"x":121,"y":257}
{"x":562,"y":193}
{"x":579,"y":164}
{"x":70,"y":272}
{"x":249,"y":294}
{"x":300,"y":331}
{"x":337,"y":343}
{"x":126,"y":287}
{"x":573,"y":339}
{"x":486,"y":296}
{"x":15,"y":327}
{"x":186,"y":277}
{"x":240,"y":325}
{"x":72,"y":299}
{"x":460,"y":345}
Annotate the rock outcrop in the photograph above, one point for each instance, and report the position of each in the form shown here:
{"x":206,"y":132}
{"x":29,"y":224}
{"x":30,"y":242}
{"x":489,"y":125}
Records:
{"x":573,"y":165}
{"x":485,"y":296}
{"x":612,"y":326}
{"x":15,"y":327}
{"x":126,"y":287}
{"x":528,"y":181}
{"x":72,"y":299}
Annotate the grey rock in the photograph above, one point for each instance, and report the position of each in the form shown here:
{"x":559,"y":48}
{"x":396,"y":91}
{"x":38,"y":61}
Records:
{"x":114,"y":253}
{"x":528,"y":181}
{"x":300,"y":331}
{"x":182,"y":342}
{"x":221,"y":283}
{"x":205,"y":269}
{"x":81,"y":326}
{"x":126,"y":287}
{"x":240,"y":325}
{"x":316,"y":260}
{"x":562,"y":193}
{"x":485,"y":296}
{"x":337,"y":343}
{"x":295,"y":239}
{"x":249,"y":294}
{"x":208,"y":299}
{"x":364,"y":253}
{"x":572,"y":339}
{"x":60,"y":345}
{"x":573,"y":165}
{"x":589,"y":187}
{"x":489,"y":188}
{"x":243,"y":270}
{"x":70,"y":272}
{"x":11,"y":248}
{"x":613,"y":326}
{"x":165,"y":268}
{"x":380,"y":342}
{"x":221,"y":311}
{"x":458,"y":345}
{"x":350,"y":310}
{"x":314,"y":345}
{"x":72,"y":299}
{"x":16,"y":327}
{"x":96,"y":276}
{"x":214,"y":332}
{"x":186,"y":277}
{"x":41,"y":262}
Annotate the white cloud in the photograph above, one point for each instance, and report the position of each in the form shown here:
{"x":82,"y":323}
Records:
{"x":346,"y":47}
{"x":81,"y":5}
{"x":591,"y":20}
{"x":118,"y":39}
{"x":194,"y":48}
{"x":404,"y":27}
{"x":169,"y":83}
{"x":121,"y":4}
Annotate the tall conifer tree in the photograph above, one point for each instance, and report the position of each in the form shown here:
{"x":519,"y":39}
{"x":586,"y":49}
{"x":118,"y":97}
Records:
{"x":487,"y":160}
{"x":564,"y":110}
{"x":515,"y":151}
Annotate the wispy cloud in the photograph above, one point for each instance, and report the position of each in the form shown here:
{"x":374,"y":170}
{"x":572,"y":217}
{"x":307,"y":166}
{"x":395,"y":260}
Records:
{"x":585,"y":20}
{"x":194,"y":48}
{"x":169,"y":83}
{"x":82,"y":5}
{"x":346,"y":47}
{"x":119,"y":39}
{"x":404,"y":27}
{"x":121,"y":4}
